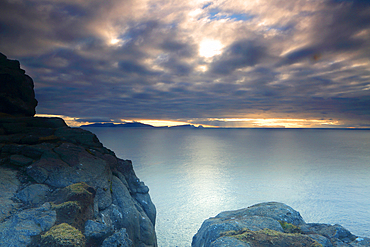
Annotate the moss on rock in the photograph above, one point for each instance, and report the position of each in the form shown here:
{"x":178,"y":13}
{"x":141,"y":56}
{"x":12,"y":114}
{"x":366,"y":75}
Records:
{"x":74,"y":204}
{"x":63,"y":235}
{"x":80,"y":191}
{"x":267,"y":238}
{"x":289,"y":228}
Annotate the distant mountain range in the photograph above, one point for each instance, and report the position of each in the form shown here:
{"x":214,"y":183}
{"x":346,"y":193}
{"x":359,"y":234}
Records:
{"x":187,"y":126}
{"x":138,"y":125}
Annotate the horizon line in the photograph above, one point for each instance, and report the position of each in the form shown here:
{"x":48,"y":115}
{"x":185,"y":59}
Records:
{"x":217,"y":123}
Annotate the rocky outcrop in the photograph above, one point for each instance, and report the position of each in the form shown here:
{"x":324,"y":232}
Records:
{"x":65,"y":176}
{"x":58,"y":185}
{"x":16,"y":89}
{"x":52,"y":175}
{"x":271,"y":224}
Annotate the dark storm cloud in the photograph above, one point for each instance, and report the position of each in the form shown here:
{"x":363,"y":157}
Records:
{"x":178,"y":48}
{"x":241,"y":54}
{"x":36,"y":26}
{"x":131,"y":67}
{"x":336,"y":29}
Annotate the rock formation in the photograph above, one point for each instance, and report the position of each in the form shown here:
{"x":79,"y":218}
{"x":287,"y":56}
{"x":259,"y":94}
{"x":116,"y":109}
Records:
{"x":271,"y":224}
{"x":16,"y":89}
{"x":59,"y":186}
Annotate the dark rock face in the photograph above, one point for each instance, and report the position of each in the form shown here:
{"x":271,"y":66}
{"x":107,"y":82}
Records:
{"x":16,"y":89}
{"x":271,"y":224}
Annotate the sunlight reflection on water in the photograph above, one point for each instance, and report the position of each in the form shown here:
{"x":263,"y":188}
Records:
{"x":196,"y":174}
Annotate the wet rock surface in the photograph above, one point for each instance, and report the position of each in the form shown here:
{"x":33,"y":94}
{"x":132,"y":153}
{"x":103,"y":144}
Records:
{"x":271,"y":224}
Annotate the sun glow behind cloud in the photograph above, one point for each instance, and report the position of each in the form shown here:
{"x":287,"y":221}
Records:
{"x":114,"y":41}
{"x":210,"y":47}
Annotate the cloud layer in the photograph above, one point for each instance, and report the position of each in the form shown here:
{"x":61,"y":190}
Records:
{"x":140,"y":59}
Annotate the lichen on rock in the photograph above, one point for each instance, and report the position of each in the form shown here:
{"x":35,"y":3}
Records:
{"x":63,"y":235}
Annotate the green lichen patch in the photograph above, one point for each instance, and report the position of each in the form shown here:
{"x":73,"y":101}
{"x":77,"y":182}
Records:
{"x":80,"y":191}
{"x":74,"y":204}
{"x":289,"y":228}
{"x":270,"y":238}
{"x":70,"y":205}
{"x":63,"y":235}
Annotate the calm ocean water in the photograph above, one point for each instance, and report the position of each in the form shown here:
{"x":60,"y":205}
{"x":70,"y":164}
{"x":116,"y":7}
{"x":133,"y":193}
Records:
{"x":195,"y":174}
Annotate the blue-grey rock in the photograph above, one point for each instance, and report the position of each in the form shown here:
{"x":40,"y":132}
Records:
{"x":275,"y":210}
{"x":19,"y":228}
{"x":135,"y":185}
{"x":325,"y":242}
{"x":96,"y":232}
{"x":72,"y":164}
{"x":339,"y":243}
{"x":118,"y":239}
{"x":274,"y":220}
{"x":38,"y":173}
{"x":146,"y":203}
{"x":329,"y":231}
{"x":360,"y":242}
{"x":34,"y":194}
{"x":212,"y":229}
{"x":9,"y":185}
{"x":131,"y":216}
{"x":228,"y":242}
{"x":254,"y":218}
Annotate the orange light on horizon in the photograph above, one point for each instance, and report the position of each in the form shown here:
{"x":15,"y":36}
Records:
{"x":279,"y":122}
{"x":226,"y":122}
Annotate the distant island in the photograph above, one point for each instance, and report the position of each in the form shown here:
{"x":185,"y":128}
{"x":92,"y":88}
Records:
{"x":190,"y":126}
{"x":140,"y":125}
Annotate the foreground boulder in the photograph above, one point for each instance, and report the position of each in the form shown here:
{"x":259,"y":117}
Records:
{"x":271,"y":224}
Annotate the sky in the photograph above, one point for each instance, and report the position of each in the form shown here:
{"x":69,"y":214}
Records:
{"x":227,"y":63}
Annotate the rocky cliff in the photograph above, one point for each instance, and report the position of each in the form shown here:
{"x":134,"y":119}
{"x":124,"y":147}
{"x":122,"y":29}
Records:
{"x":271,"y":224}
{"x":59,"y":186}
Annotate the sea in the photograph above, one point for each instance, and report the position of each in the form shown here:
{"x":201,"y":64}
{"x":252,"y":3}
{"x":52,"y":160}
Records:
{"x":194,"y":174}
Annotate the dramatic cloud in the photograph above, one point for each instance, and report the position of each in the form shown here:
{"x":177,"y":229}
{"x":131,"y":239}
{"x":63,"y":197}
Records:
{"x":205,"y":62}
